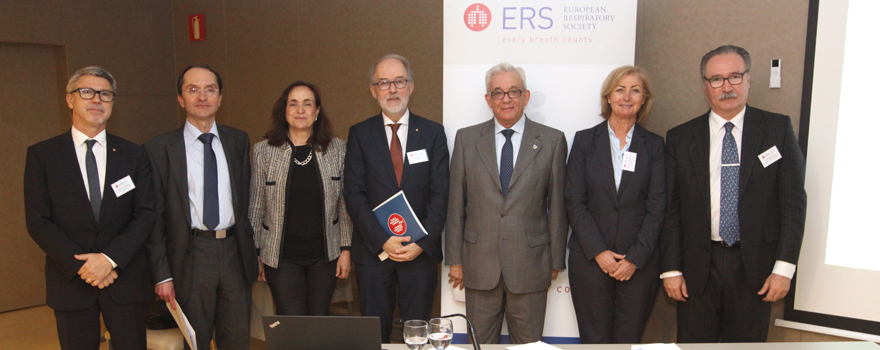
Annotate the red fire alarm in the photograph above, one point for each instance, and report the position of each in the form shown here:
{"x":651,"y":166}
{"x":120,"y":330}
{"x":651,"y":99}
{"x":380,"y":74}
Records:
{"x":197,"y":27}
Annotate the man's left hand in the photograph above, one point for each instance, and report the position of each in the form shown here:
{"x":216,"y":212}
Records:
{"x":95,"y":269}
{"x":406,"y":253}
{"x":553,"y":274}
{"x":775,"y":287}
{"x":624,"y":271}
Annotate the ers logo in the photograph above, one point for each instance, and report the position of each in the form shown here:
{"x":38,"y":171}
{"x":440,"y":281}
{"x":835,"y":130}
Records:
{"x":477,"y":17}
{"x":396,"y":224}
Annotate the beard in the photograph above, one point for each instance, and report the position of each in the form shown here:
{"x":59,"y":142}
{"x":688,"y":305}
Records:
{"x":394,"y":109}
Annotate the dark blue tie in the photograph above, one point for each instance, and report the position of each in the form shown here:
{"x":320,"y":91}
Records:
{"x":94,"y":180}
{"x":211,"y":204}
{"x":729,"y":225}
{"x":506,"y":169}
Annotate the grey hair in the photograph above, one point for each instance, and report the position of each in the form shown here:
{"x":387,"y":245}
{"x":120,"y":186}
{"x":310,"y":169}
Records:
{"x":400,"y":58}
{"x":725,"y":50}
{"x":92,"y":70}
{"x":505,"y":67}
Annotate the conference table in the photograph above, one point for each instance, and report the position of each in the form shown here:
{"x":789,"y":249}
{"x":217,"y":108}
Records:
{"x":853,"y":345}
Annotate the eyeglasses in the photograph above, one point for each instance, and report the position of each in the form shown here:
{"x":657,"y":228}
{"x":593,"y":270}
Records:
{"x":733,"y":79}
{"x":386,"y":84}
{"x":88,"y":94}
{"x":499,"y":95}
{"x":208,"y":91}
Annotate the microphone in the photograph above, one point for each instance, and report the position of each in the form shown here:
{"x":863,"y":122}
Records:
{"x":471,"y":331}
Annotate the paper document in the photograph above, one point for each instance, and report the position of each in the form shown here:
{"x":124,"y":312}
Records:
{"x":398,"y":219}
{"x":656,"y":347}
{"x":183,"y":323}
{"x":538,"y":345}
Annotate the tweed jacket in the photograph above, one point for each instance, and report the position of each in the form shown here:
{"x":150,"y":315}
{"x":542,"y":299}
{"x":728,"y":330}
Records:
{"x":269,"y":191}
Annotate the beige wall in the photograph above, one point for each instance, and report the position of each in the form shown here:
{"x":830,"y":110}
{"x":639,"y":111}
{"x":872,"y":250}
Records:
{"x":259,"y":47}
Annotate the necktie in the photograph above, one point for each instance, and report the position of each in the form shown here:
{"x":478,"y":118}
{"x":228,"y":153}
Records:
{"x":211,"y":201}
{"x":729,"y":225}
{"x":396,"y":152}
{"x":94,"y":180}
{"x":506,"y":169}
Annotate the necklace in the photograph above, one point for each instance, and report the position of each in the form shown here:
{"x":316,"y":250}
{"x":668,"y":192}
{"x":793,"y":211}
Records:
{"x":303,"y":163}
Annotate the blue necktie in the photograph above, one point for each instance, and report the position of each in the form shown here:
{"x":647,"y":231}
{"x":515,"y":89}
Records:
{"x":211,"y":203}
{"x":729,"y":225}
{"x":94,"y":181}
{"x":506,"y":161}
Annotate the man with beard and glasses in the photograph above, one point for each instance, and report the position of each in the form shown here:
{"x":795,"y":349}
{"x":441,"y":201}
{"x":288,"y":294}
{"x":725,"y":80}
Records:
{"x":387,"y":153}
{"x":736,"y":209}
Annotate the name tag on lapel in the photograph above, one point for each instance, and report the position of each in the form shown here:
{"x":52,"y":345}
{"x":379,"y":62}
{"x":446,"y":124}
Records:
{"x":122,"y":186}
{"x":770,"y":156}
{"x":629,"y":161}
{"x":416,"y":157}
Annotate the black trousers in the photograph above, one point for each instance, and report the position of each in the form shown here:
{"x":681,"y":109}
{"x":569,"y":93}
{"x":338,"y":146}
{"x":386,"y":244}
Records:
{"x":302,"y":287}
{"x":608,"y":310}
{"x":729,"y":310}
{"x":220,"y":301}
{"x":388,"y":284}
{"x":81,"y":329}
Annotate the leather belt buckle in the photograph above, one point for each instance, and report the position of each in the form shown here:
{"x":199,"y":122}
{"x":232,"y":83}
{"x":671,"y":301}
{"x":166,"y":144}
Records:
{"x":221,"y":234}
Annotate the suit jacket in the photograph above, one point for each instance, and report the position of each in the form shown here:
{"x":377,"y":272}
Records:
{"x":521,"y":235}
{"x":602,"y":217}
{"x":59,"y":218}
{"x":269,"y":194}
{"x":170,"y":241}
{"x":772,"y":200}
{"x":370,"y":180}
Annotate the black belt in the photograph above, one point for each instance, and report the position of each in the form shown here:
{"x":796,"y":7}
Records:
{"x":220,"y":234}
{"x":725,"y":245}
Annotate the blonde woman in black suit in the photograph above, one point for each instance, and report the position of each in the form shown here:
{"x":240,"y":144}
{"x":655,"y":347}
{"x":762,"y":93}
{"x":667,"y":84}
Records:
{"x":301,"y":227}
{"x":616,"y":199}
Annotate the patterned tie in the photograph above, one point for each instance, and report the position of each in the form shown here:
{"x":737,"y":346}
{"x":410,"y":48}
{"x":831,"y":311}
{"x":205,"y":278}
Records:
{"x":211,"y":201}
{"x":94,"y":180}
{"x":729,"y":226}
{"x":396,"y":152}
{"x":506,"y":161}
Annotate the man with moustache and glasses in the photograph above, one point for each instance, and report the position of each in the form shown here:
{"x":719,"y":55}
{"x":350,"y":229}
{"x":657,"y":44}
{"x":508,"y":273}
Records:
{"x":387,"y":153}
{"x":736,"y":209}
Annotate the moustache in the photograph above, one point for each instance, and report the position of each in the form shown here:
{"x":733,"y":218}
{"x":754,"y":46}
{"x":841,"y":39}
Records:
{"x":727,"y":96}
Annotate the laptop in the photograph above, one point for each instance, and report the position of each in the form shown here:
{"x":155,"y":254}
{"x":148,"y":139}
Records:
{"x":322,"y":332}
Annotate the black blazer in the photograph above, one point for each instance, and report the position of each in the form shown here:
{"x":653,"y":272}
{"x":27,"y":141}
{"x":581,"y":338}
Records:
{"x":772,"y":200}
{"x":59,"y":218}
{"x":369,"y":180}
{"x":626,"y":221}
{"x":169,"y":244}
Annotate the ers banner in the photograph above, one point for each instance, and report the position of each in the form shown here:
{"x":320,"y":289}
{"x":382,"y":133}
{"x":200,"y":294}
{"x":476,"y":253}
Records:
{"x":567,"y":48}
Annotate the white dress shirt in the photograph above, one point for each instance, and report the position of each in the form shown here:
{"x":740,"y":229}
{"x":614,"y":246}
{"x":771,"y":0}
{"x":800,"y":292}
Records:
{"x":402,"y":130}
{"x":716,"y":140}
{"x":195,"y":178}
{"x":100,"y":152}
{"x":515,"y":139}
{"x":617,"y":153}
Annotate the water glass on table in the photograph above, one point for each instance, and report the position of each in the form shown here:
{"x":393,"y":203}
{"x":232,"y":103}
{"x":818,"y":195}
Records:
{"x":415,"y":334}
{"x":440,"y":332}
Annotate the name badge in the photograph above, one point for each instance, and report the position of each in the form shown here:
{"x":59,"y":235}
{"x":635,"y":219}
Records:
{"x":122,"y":186}
{"x":770,"y":156}
{"x":416,"y":157}
{"x":629,"y":161}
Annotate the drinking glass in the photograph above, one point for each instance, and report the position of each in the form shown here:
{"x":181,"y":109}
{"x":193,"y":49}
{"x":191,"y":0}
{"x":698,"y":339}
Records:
{"x":440,"y":332}
{"x":415,"y":334}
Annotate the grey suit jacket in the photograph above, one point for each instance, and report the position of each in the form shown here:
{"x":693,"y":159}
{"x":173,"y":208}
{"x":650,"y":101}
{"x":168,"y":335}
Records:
{"x":521,"y":235}
{"x":269,"y":193}
{"x":171,"y":239}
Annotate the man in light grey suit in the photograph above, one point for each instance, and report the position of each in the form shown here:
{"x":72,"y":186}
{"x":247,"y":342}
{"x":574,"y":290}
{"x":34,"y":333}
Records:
{"x":506,"y":224}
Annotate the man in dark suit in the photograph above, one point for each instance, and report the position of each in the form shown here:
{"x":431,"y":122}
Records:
{"x":387,"y":153}
{"x":736,"y":209}
{"x":89,"y":206}
{"x":506,"y":230}
{"x":202,"y":249}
